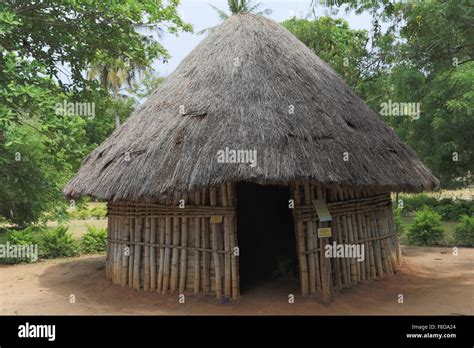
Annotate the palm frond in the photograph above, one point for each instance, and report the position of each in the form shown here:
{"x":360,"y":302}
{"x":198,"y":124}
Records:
{"x":222,"y":15}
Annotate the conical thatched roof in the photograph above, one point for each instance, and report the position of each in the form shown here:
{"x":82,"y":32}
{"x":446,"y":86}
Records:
{"x":235,"y":90}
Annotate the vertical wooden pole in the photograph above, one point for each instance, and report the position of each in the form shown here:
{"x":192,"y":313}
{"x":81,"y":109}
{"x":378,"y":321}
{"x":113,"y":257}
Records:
{"x":146,"y":282}
{"x":376,"y":247}
{"x":111,"y":256}
{"x":138,"y":254}
{"x":335,"y":238}
{"x":161,"y":233}
{"x":326,"y":280}
{"x":153,"y":254}
{"x":340,"y":240}
{"x":206,"y":260}
{"x":395,"y":240}
{"x":310,"y":241}
{"x":125,"y":252}
{"x":107,"y":255}
{"x":166,"y":264}
{"x":234,"y":260}
{"x":368,"y":225}
{"x":175,"y":254}
{"x":300,"y":242}
{"x":132,"y":252}
{"x":217,"y":263}
{"x":222,"y":193}
{"x":227,"y":265}
{"x":361,"y":238}
{"x":350,"y":234}
{"x":205,"y":244}
{"x":233,"y":242}
{"x":382,"y":226}
{"x":184,"y":254}
{"x":355,"y":236}
{"x":114,"y":249}
{"x":197,"y":244}
{"x":390,"y":240}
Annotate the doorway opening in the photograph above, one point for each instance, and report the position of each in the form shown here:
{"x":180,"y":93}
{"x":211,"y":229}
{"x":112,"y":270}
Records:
{"x":266,"y":235}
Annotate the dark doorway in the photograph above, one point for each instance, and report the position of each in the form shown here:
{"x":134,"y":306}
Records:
{"x":266,"y":236}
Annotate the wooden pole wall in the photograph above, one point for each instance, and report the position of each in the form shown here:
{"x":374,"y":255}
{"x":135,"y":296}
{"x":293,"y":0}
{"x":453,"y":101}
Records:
{"x":169,"y":249}
{"x":164,"y":248}
{"x":361,"y":218}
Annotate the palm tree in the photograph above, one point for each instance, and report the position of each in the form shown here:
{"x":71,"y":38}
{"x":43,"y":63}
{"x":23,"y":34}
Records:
{"x":114,"y":75}
{"x":235,"y":7}
{"x":241,"y":6}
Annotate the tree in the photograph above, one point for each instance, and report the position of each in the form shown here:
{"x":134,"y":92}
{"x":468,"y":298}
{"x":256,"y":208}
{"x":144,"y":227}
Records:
{"x":113,"y":75}
{"x":427,"y":56}
{"x":45,"y":49}
{"x":241,"y":6}
{"x":76,"y":32}
{"x":333,"y":41}
{"x":235,"y":7}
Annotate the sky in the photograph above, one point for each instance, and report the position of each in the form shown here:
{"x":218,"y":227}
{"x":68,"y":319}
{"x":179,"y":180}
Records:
{"x":201,"y":16}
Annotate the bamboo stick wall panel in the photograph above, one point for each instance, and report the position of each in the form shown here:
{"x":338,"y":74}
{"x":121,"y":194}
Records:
{"x":172,"y":249}
{"x":360,"y":217}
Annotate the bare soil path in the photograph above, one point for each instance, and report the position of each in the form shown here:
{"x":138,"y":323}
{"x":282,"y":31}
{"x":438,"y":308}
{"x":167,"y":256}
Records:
{"x":432,"y":281}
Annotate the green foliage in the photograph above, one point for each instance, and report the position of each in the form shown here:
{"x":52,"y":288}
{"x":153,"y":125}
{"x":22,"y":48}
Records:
{"x":94,"y":240}
{"x":78,"y":31}
{"x":336,"y":43}
{"x":426,"y":56}
{"x":99,"y":212}
{"x":241,"y":6}
{"x":464,"y":231}
{"x":449,"y":209}
{"x":426,"y":228}
{"x":83,"y":212}
{"x":58,"y":242}
{"x":452,"y":210}
{"x":416,"y":202}
{"x":45,"y":49}
{"x":26,"y":236}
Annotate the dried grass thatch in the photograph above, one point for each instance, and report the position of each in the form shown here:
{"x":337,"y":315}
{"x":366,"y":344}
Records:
{"x":236,"y":89}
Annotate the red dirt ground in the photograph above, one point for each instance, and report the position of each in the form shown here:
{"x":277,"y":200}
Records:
{"x":432,"y":281}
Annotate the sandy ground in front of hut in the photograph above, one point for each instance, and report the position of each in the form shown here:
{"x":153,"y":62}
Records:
{"x":432,"y":281}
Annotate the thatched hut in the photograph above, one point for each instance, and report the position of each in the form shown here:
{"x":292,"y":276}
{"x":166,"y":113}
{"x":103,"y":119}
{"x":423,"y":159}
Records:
{"x":251,"y":152}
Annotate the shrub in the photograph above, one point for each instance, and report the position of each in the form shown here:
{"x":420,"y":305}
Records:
{"x":58,"y":242}
{"x":449,"y":209}
{"x":426,"y":228}
{"x":83,"y":214}
{"x":416,"y":202}
{"x":464,"y":231}
{"x":452,"y":210}
{"x":23,"y":237}
{"x":94,"y":240}
{"x":98,"y":212}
